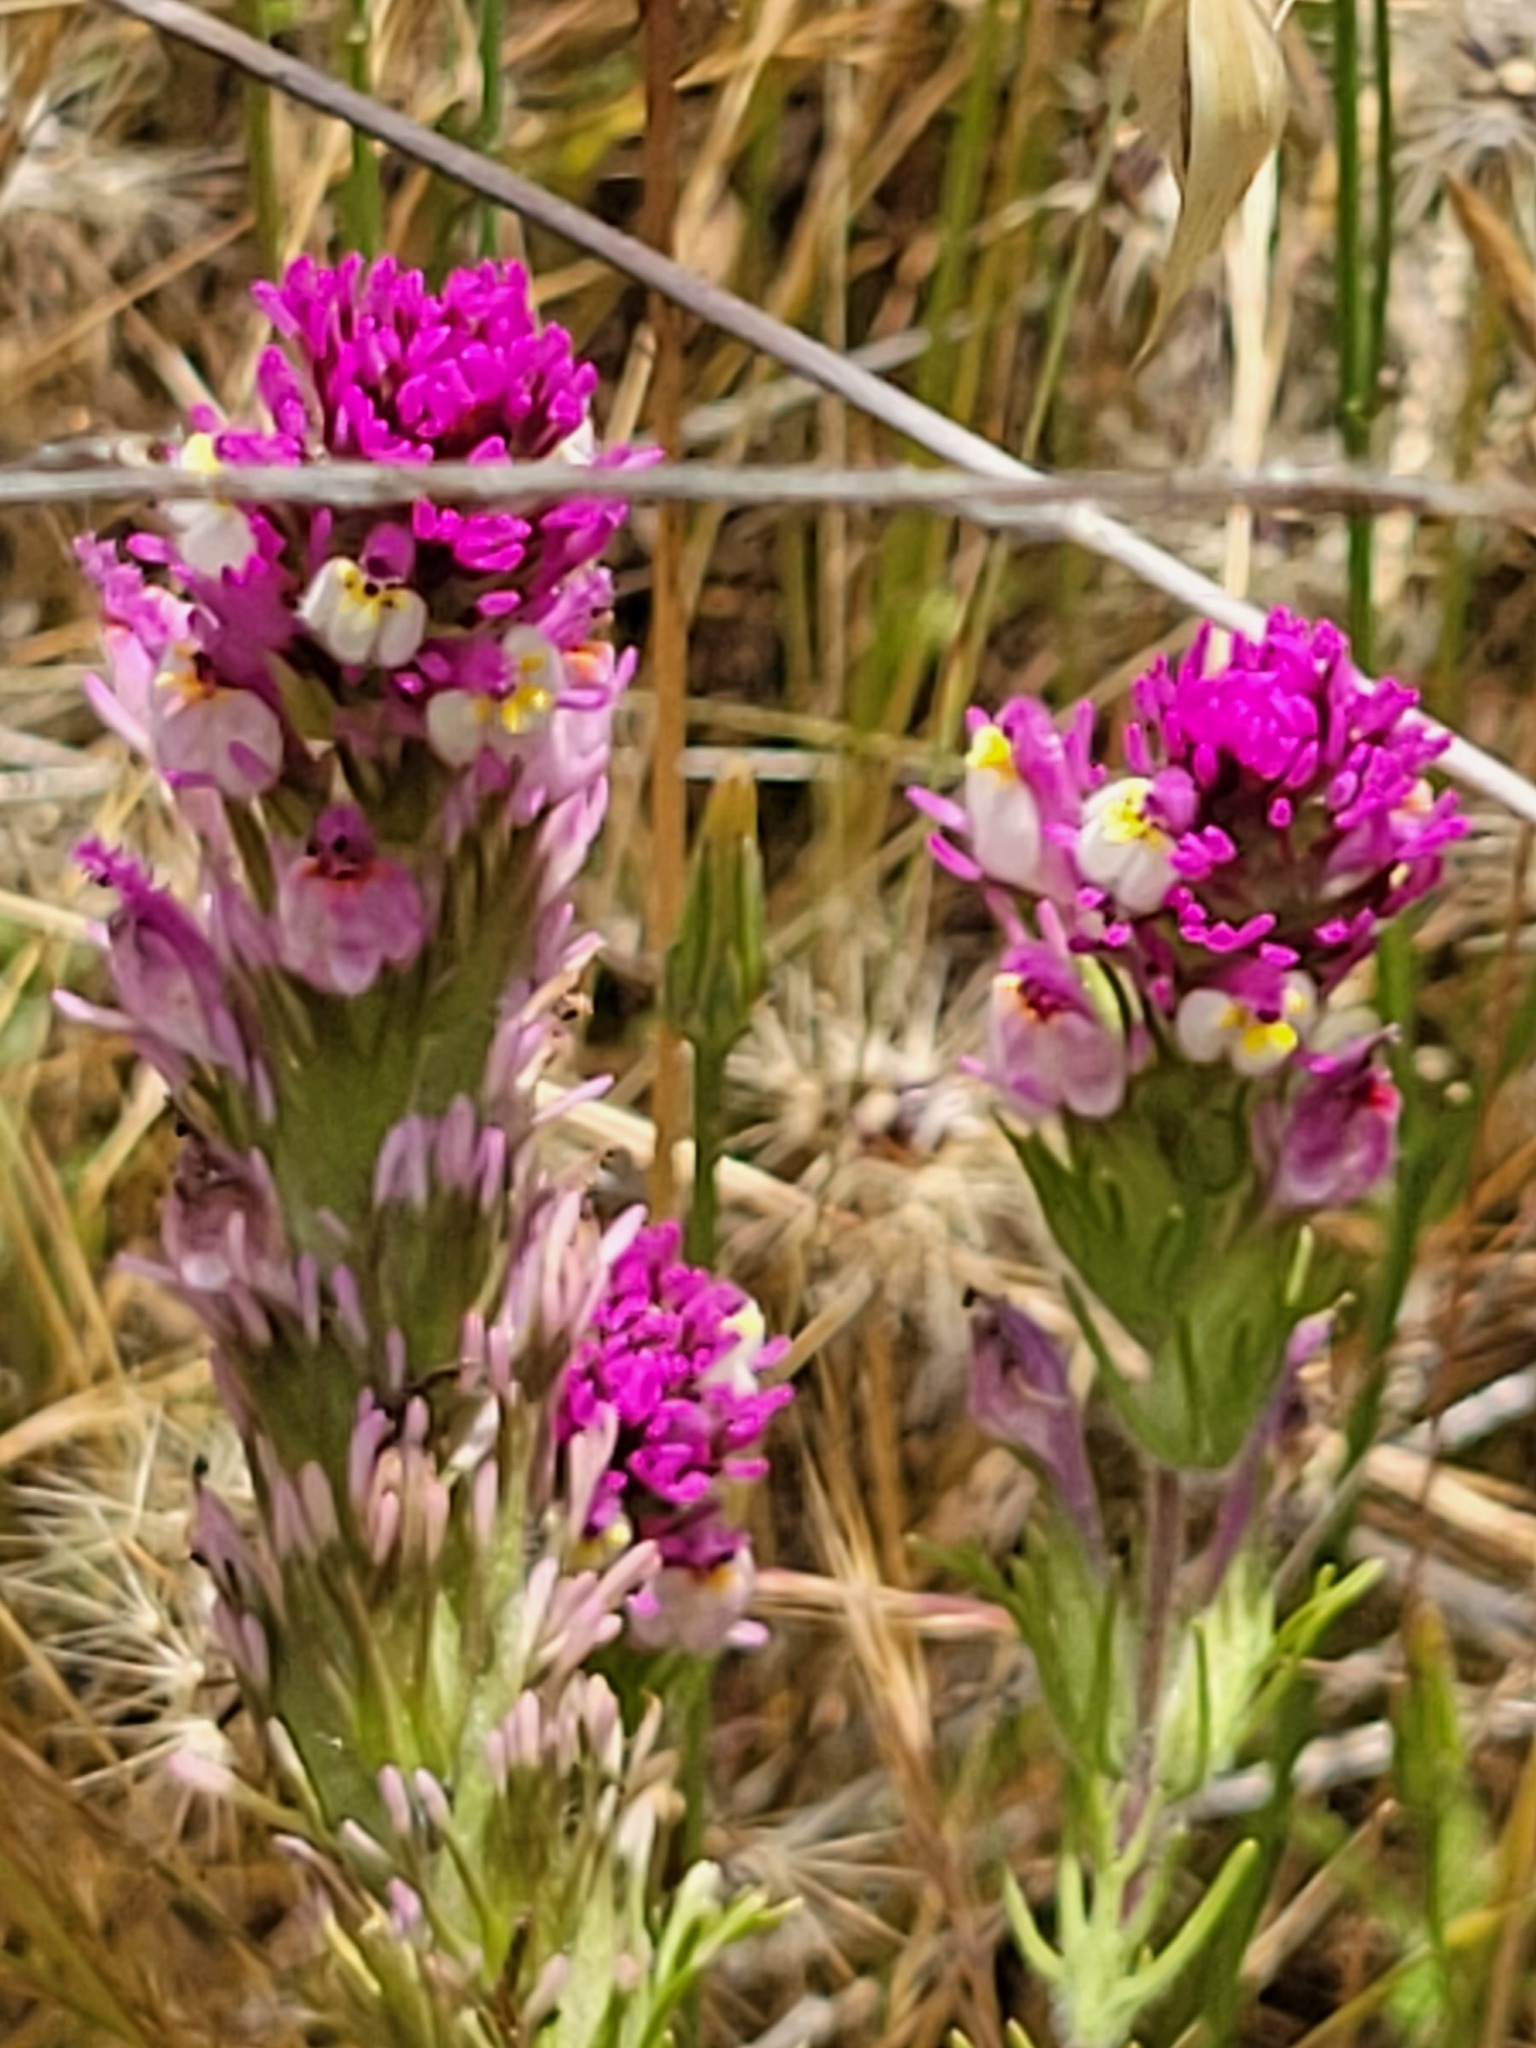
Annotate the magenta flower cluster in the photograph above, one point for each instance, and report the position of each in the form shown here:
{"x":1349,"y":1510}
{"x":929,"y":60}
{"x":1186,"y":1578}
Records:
{"x":388,"y":733}
{"x":1209,"y":891}
{"x":247,"y":635}
{"x":665,"y":1394}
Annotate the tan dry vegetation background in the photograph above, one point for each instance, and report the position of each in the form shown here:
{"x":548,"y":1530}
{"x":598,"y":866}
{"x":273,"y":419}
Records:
{"x":959,"y":195}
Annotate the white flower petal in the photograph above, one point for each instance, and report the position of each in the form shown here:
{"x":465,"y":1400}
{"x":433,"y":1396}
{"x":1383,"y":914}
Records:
{"x":534,"y":661}
{"x":1120,"y":849}
{"x":457,"y":727}
{"x":1204,"y":1025}
{"x":213,"y":537}
{"x":402,"y":627}
{"x":1005,"y":826}
{"x":1299,"y":1002}
{"x":579,"y":446}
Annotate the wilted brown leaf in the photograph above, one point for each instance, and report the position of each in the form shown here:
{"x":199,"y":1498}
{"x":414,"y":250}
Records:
{"x":1160,"y":79}
{"x":1212,"y":92}
{"x":1501,"y":257}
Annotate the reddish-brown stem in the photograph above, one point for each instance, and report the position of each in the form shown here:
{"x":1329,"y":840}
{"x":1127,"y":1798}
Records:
{"x":667,"y":650}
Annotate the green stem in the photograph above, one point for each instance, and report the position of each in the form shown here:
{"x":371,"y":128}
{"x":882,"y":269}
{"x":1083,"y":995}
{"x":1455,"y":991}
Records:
{"x":1072,"y":283}
{"x":965,"y":170}
{"x":492,"y":101}
{"x":362,"y":208}
{"x":1386,"y":193}
{"x":1353,"y":330}
{"x":261,"y":156}
{"x":708,"y":1142}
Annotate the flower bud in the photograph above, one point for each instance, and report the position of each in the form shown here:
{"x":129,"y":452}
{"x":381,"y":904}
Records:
{"x":1048,"y":1047}
{"x":1337,"y":1139}
{"x":715,"y":969}
{"x":1020,"y":1391}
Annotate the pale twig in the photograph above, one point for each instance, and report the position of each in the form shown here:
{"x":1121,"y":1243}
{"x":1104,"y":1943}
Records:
{"x":1086,"y":524}
{"x":1031,"y":505}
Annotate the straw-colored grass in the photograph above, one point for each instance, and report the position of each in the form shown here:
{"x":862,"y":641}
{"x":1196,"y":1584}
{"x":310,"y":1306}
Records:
{"x":956,"y":190}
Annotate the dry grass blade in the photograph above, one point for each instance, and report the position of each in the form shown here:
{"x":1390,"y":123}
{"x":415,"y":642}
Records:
{"x":96,"y":1411}
{"x":28,"y":363}
{"x":1214,"y":94}
{"x":1502,"y":259}
{"x":37,"y":42}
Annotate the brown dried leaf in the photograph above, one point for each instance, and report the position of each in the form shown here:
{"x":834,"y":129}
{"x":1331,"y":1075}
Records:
{"x":1160,"y":79}
{"x":1213,"y":91}
{"x":1502,"y":259}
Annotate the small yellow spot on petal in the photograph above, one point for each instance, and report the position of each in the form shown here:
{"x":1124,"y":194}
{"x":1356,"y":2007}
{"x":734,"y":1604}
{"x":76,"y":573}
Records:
{"x":991,"y":748}
{"x":1419,"y":801}
{"x":593,"y":1553}
{"x":1268,"y":1041}
{"x":180,"y":675}
{"x":746,"y":1322}
{"x":197,"y":456}
{"x":527,"y":704}
{"x":1125,"y":819}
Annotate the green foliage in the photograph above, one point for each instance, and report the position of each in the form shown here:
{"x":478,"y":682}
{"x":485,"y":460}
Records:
{"x":716,"y":969}
{"x":1438,"y":2000}
{"x":1160,"y":1213}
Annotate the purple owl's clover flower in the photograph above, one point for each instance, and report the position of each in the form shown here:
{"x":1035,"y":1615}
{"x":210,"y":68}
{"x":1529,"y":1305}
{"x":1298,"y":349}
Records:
{"x":661,"y":1407}
{"x":1311,"y":822}
{"x":1336,"y":1139}
{"x":344,"y":914}
{"x":1266,"y":817}
{"x":1021,"y":806}
{"x":1022,"y":1393}
{"x":1048,"y":1045}
{"x":388,"y":733}
{"x":167,"y":975}
{"x":1273,"y":810}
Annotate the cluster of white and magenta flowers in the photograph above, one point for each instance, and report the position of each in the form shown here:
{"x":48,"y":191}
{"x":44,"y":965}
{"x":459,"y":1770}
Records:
{"x":662,"y":1407}
{"x":1176,"y":997}
{"x":488,"y":1437}
{"x":1179,"y":1032}
{"x":1208,"y":894}
{"x":270,"y":632}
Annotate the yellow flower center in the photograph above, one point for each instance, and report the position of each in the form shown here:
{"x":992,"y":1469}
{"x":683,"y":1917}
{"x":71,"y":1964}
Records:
{"x":198,"y":458}
{"x":992,"y":749}
{"x":361,"y":592}
{"x":584,"y":664}
{"x":1274,"y":1039}
{"x":1419,"y":801}
{"x":525,"y":706}
{"x":596,"y":1553}
{"x":1124,"y":817}
{"x":1035,"y":1006}
{"x":747,"y":1322}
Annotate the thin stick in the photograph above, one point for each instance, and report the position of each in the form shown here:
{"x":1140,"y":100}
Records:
{"x":1029,"y":505}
